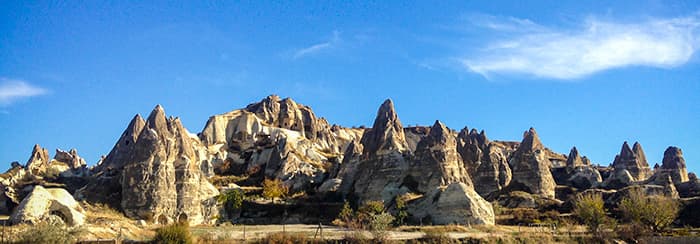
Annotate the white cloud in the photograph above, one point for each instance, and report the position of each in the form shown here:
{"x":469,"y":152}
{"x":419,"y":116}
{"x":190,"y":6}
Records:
{"x":11,"y":90}
{"x":597,"y":45}
{"x":318,"y":47}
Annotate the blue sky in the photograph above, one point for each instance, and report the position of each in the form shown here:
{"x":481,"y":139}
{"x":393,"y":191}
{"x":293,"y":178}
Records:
{"x":590,"y":74}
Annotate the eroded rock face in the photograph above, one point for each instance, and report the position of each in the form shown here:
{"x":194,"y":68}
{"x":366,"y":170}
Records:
{"x":277,"y":139}
{"x":457,"y":203}
{"x":41,"y":203}
{"x":163,"y":181}
{"x":574,"y":159}
{"x":472,"y":146}
{"x":122,"y":152}
{"x":531,"y":167}
{"x":437,"y":162}
{"x":493,"y":173}
{"x":386,"y":135}
{"x":633,"y":160}
{"x":384,"y":162}
{"x":673,"y":166}
{"x":38,"y":162}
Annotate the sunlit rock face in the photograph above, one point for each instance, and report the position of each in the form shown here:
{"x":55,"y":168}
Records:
{"x":277,"y":138}
{"x":163,"y":180}
{"x":530,"y":166}
{"x":673,"y":165}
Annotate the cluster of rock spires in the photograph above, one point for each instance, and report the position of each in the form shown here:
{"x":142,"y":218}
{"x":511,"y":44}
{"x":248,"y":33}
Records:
{"x":158,"y":171}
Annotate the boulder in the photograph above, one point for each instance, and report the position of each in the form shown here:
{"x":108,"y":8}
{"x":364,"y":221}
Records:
{"x":584,"y":177}
{"x":42,"y":203}
{"x":456,"y":203}
{"x":530,"y":166}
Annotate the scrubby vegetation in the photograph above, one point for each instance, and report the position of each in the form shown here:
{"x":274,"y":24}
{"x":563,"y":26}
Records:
{"x":274,"y":189}
{"x":48,"y":233}
{"x":232,"y":200}
{"x":590,"y":210}
{"x":174,"y":234}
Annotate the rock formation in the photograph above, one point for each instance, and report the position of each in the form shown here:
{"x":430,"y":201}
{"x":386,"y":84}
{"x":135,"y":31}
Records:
{"x":276,"y":139}
{"x":457,"y":203}
{"x":574,"y":159}
{"x":633,"y":160}
{"x":383,"y":165}
{"x":493,"y":173}
{"x":673,"y":165}
{"x":437,"y":162}
{"x":531,"y":167}
{"x":38,"y":162}
{"x":162,"y":180}
{"x":386,"y":135}
{"x":472,"y":146}
{"x":42,"y":204}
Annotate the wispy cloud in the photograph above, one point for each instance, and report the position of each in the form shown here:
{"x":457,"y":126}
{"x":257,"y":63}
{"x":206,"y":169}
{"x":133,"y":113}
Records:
{"x":12,"y":90}
{"x":300,"y":53}
{"x":596,"y":45}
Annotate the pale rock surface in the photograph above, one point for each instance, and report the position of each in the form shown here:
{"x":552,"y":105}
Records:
{"x":163,"y":181}
{"x":41,"y":203}
{"x":530,"y":166}
{"x":673,"y":165}
{"x":634,"y":161}
{"x":456,"y":203}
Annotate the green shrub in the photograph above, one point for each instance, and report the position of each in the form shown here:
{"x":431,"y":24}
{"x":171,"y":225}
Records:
{"x":590,"y":210}
{"x":655,"y":212}
{"x":173,"y":234}
{"x":232,"y":200}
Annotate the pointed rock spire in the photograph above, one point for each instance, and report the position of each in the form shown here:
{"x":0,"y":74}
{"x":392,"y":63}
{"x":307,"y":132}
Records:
{"x":632,"y":160}
{"x":386,"y":135}
{"x":639,"y":153}
{"x":673,"y":165}
{"x":122,"y":151}
{"x":531,"y":140}
{"x":531,"y":166}
{"x":38,"y":161}
{"x":574,"y":159}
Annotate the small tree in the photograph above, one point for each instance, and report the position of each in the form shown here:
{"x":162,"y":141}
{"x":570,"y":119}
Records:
{"x":373,"y":217}
{"x":655,"y":212}
{"x":274,"y":189}
{"x":346,"y":214}
{"x":590,"y":210}
{"x":232,"y":200}
{"x":401,"y":209}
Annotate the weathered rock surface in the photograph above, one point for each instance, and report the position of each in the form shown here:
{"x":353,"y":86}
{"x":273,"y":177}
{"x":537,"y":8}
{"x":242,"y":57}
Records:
{"x":633,"y":160}
{"x":531,"y":167}
{"x":42,"y":203}
{"x":276,"y":139}
{"x":457,"y":203}
{"x":162,"y":181}
{"x":471,"y":146}
{"x":386,"y":135}
{"x":383,"y":165}
{"x":39,"y":161}
{"x":673,"y":166}
{"x":493,"y":173}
